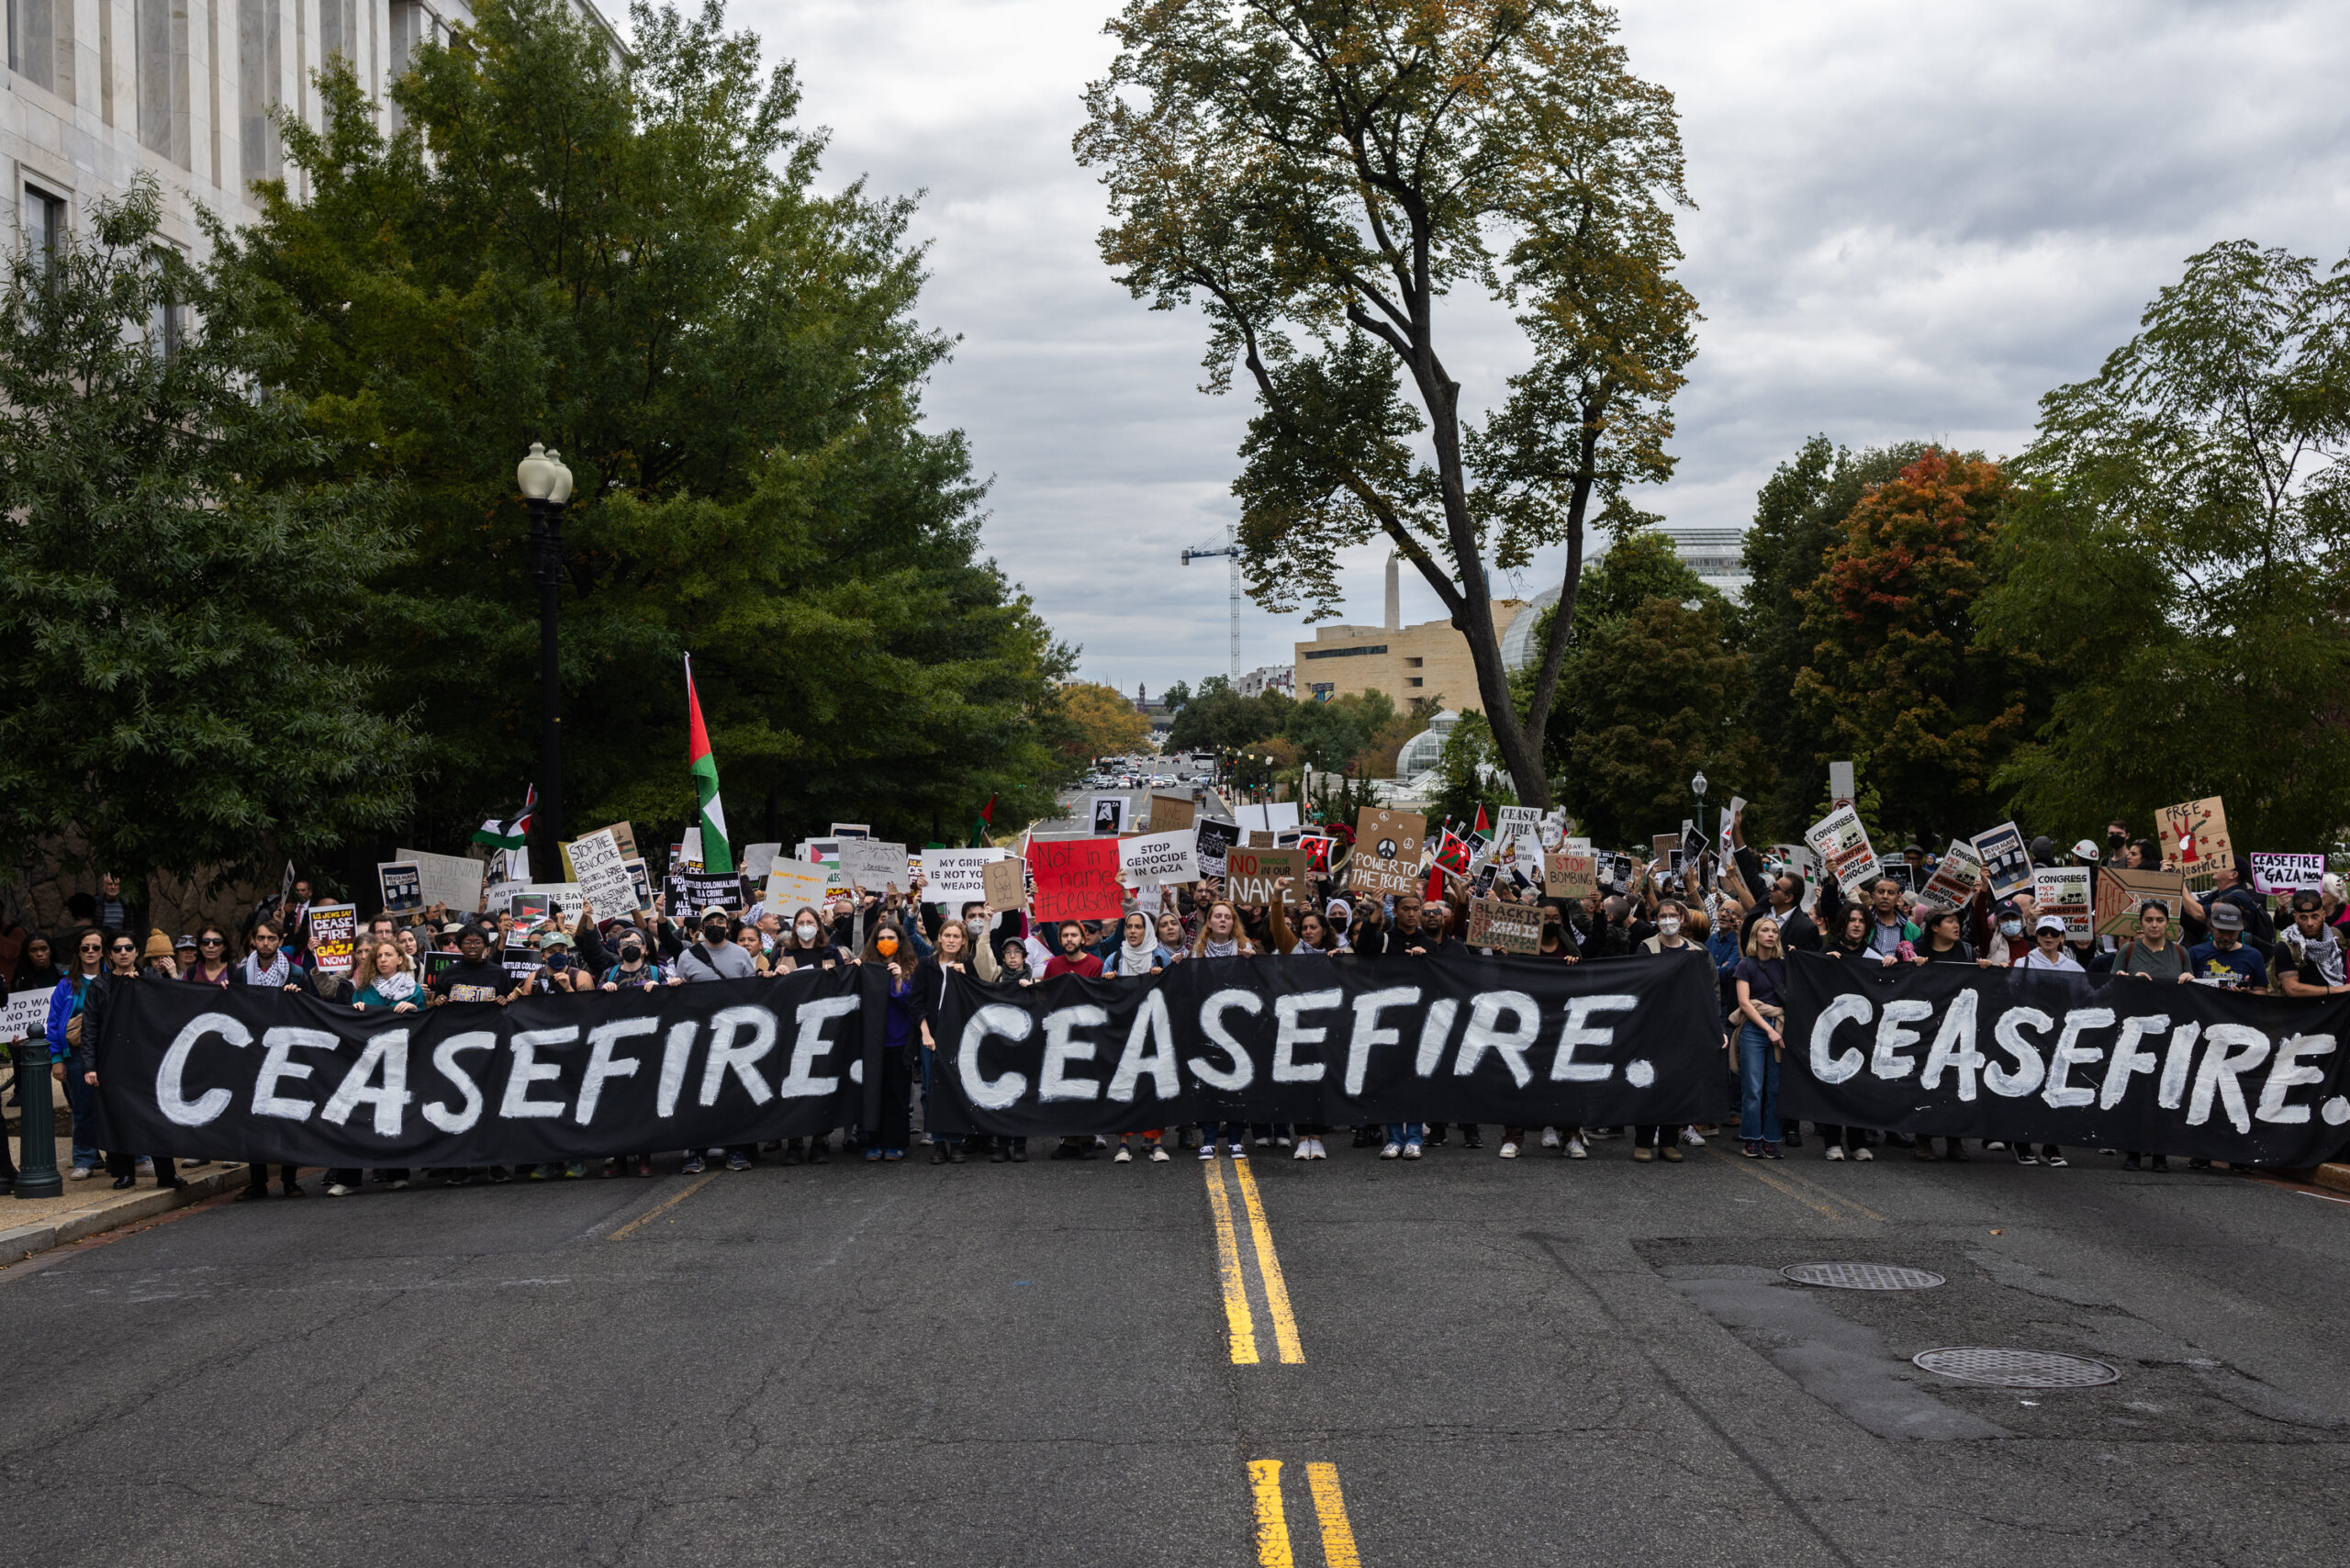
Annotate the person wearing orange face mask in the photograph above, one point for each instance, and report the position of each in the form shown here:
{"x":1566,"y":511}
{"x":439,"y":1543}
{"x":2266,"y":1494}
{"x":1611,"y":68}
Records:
{"x":887,"y":948}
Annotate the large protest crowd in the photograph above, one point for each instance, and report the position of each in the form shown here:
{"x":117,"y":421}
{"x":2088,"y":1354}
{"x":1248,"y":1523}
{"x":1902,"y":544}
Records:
{"x":1742,"y":913}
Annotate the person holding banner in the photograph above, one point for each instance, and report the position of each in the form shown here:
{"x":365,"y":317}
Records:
{"x":1137,"y":956}
{"x":100,"y":994}
{"x":2309,"y":957}
{"x":1761,"y":979}
{"x":210,"y":965}
{"x":955,"y":954}
{"x":2150,"y":953}
{"x":885,"y":949}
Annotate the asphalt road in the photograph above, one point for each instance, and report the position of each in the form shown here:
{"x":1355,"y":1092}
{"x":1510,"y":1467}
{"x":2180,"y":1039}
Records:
{"x":1465,"y":1360}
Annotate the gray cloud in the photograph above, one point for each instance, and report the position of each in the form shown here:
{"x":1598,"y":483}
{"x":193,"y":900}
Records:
{"x":1911,"y":224}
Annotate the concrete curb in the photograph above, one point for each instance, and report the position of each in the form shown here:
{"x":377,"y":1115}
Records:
{"x":2334,"y":1176}
{"x":143,"y":1202}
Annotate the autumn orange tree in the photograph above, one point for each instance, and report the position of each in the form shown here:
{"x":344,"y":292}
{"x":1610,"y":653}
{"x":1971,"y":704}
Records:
{"x":1897,"y":677}
{"x":1105,"y":722}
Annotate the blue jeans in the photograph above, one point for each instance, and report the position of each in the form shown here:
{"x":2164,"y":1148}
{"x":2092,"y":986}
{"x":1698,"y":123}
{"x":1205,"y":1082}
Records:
{"x":1758,"y":1074}
{"x":1409,"y":1134}
{"x":83,"y":1098}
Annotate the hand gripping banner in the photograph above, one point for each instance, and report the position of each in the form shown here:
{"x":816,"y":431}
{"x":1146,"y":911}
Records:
{"x":1335,"y":1040}
{"x":2096,"y":1062}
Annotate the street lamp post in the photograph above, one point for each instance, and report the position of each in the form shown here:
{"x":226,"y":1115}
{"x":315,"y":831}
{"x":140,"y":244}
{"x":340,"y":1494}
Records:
{"x":546,"y":489}
{"x":37,"y":1174}
{"x":1698,"y":788}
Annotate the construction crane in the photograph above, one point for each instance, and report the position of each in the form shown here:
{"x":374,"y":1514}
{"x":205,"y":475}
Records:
{"x":1231,"y":549}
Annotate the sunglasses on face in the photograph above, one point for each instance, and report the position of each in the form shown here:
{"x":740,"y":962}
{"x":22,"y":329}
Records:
{"x":123,"y":948}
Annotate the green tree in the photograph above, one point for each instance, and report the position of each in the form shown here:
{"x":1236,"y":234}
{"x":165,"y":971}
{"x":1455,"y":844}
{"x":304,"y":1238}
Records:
{"x":1318,"y":177}
{"x":2184,"y":556}
{"x":1468,"y":774}
{"x":1175,"y":696}
{"x":174,"y":674}
{"x":1105,"y":722}
{"x":1798,"y":515}
{"x":1659,"y":695}
{"x":1330,"y":735}
{"x":630,"y":261}
{"x":1219,"y":718}
{"x":1899,"y":678}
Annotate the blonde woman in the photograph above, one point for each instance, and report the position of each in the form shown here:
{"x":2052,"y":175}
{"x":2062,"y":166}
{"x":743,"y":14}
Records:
{"x":1761,"y":979}
{"x":388,"y":983}
{"x":1220,"y":936}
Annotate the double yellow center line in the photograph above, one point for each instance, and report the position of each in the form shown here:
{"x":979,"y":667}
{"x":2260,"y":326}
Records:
{"x":1232,"y":1274}
{"x":1273,"y":1550}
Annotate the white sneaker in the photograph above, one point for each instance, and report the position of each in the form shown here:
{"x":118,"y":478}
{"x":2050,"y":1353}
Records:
{"x":1284,"y":1140}
{"x":1261,"y":1143}
{"x":1390,"y":1151}
{"x":1207,"y":1151}
{"x":1864,"y":1152}
{"x":1239,"y":1151}
{"x":1411,"y":1151}
{"x":1693,"y":1137}
{"x":1304,"y":1149}
{"x":1159,"y":1154}
{"x":337,"y":1190}
{"x":1575,"y":1150}
{"x":1320,"y":1152}
{"x":78,"y":1173}
{"x":1508,"y":1150}
{"x":1549,"y":1137}
{"x":1124,"y":1157}
{"x":1835,"y":1151}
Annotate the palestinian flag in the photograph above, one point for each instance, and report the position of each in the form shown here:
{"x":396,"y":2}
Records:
{"x":514,"y":832}
{"x":717,"y":858}
{"x":1483,"y":826}
{"x":982,"y":823}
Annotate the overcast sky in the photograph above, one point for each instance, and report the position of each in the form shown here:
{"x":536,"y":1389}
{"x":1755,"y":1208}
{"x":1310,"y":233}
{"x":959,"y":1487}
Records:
{"x":1911,"y":223}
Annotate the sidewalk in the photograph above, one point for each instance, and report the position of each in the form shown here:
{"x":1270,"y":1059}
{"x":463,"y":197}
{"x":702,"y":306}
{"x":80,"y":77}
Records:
{"x":32,"y":1225}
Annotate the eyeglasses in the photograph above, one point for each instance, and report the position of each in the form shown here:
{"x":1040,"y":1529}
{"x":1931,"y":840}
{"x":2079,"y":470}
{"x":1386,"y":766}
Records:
{"x":211,"y":941}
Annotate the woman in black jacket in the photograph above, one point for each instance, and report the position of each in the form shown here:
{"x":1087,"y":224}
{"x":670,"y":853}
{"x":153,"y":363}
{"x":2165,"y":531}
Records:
{"x":104,"y":991}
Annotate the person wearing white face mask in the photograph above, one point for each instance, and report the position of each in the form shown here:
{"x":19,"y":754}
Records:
{"x":807,"y":943}
{"x":1663,"y":1142}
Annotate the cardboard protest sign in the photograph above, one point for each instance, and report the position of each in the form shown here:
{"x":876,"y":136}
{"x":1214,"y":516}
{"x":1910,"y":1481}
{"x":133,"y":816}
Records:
{"x":402,"y":884}
{"x":1505,"y":928}
{"x":852,"y":830}
{"x":602,"y":871}
{"x":2065,"y":891}
{"x":1153,"y":858}
{"x":2195,"y":839}
{"x":1957,"y":879}
{"x":794,"y":885}
{"x":2122,"y":894}
{"x":2007,"y":861}
{"x":1005,"y":884}
{"x":27,"y":1013}
{"x":1387,"y":852}
{"x":1077,"y":879}
{"x":2286,"y":874}
{"x":953,"y":877}
{"x":1249,"y":875}
{"x":1843,"y":846}
{"x":453,"y":881}
{"x":1213,"y":836}
{"x":1171,"y":814}
{"x":1263,"y":838}
{"x":1664,"y":847}
{"x":875,"y":864}
{"x":1569,"y":876}
{"x":1109,"y":815}
{"x":334,"y":937}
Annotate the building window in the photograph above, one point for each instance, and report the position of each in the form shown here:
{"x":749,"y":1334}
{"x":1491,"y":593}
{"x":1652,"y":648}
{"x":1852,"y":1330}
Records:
{"x":1414,"y":664}
{"x":1414,"y":680}
{"x":1345,"y":653}
{"x":40,"y":44}
{"x":1323,"y":689}
{"x":44,"y":227}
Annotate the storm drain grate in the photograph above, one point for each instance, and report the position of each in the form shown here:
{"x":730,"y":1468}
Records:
{"x":1861,"y":1276}
{"x":2016,"y":1369}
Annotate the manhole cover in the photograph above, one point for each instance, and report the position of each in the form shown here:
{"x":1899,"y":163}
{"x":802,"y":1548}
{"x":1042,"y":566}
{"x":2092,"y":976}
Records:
{"x":2016,"y":1369}
{"x":1861,"y":1276}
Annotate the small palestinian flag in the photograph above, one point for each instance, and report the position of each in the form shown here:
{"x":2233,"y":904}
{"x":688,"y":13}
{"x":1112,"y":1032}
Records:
{"x":515,"y":831}
{"x":981,"y":823}
{"x":717,"y":856}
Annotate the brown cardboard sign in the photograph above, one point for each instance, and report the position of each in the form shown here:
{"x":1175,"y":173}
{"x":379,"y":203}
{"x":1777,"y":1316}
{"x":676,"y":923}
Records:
{"x":1005,"y":884}
{"x":1566,"y":874}
{"x":1250,"y":875}
{"x":1387,"y":852}
{"x":1171,"y":814}
{"x":1505,"y":928}
{"x":2195,"y":839}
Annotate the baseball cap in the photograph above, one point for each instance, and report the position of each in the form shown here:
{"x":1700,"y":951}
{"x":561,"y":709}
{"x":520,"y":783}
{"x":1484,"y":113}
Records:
{"x":713,"y":908}
{"x":184,"y":945}
{"x":2226,"y":917}
{"x":2048,"y":922}
{"x":2085,"y":850}
{"x":2307,"y":900}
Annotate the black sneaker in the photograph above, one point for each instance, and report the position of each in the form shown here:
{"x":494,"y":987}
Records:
{"x":1473,"y":1139}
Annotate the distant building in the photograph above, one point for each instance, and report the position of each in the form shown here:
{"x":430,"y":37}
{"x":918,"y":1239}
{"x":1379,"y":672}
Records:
{"x":1716,"y":554}
{"x":1268,"y":678}
{"x":1429,"y":660}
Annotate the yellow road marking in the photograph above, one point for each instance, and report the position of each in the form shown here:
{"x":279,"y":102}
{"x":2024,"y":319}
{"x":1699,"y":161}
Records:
{"x":1238,"y":1322}
{"x":1269,"y":1267}
{"x":1741,"y":1162}
{"x":1827,"y":1193}
{"x":649,"y":1215}
{"x":1337,"y":1535}
{"x":1272,"y":1521}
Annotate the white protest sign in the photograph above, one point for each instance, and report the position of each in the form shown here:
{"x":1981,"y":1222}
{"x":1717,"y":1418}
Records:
{"x":957,"y":877}
{"x":1843,"y":846}
{"x":453,"y":881}
{"x":2287,"y":873}
{"x":1515,"y":820}
{"x":758,"y":859}
{"x":875,"y":864}
{"x":28,"y":1015}
{"x":1957,"y":879}
{"x":1154,"y":858}
{"x":794,"y":884}
{"x":562,"y":896}
{"x":1282,"y":815}
{"x":603,"y":873}
{"x":2065,"y":891}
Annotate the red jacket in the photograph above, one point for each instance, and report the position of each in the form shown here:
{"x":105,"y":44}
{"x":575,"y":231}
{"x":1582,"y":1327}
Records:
{"x":1083,"y":963}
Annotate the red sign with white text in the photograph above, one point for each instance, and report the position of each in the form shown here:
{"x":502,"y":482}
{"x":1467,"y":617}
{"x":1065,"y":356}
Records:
{"x":1077,"y":879}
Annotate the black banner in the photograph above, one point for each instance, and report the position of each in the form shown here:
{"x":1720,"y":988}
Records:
{"x":252,"y":1074}
{"x":1335,"y":1040}
{"x":2096,"y":1061}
